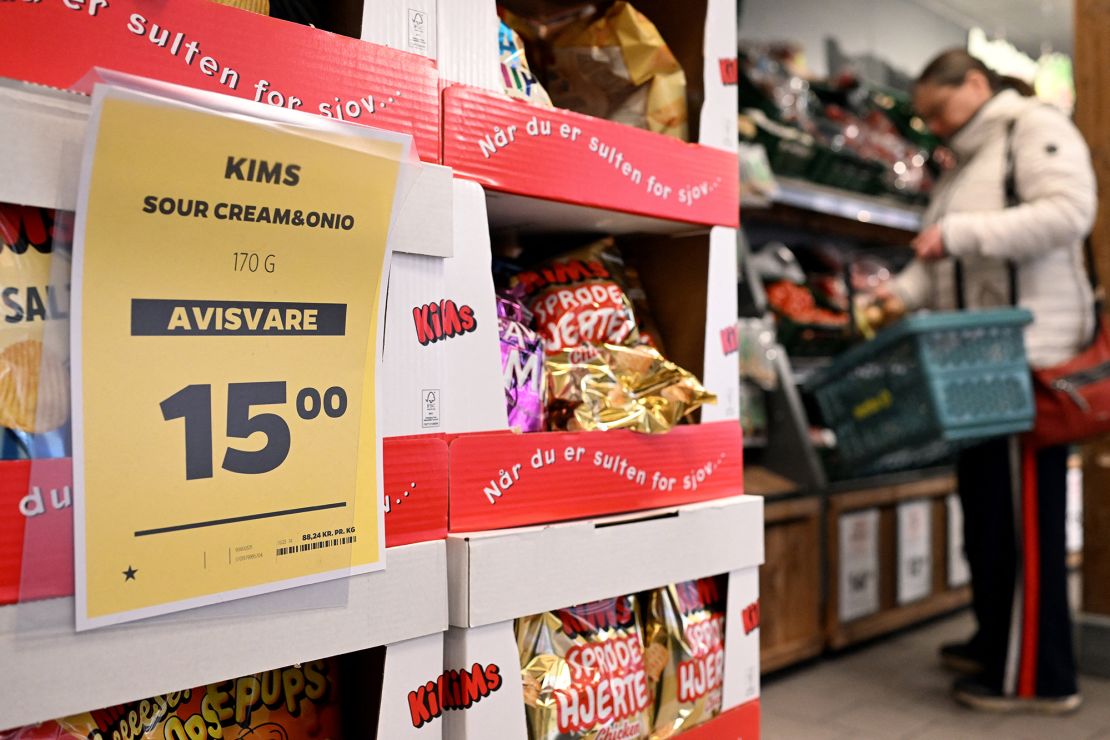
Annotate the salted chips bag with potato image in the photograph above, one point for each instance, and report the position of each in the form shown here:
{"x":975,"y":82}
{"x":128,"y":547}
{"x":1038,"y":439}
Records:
{"x":583,"y":672}
{"x":684,"y":657}
{"x":35,"y":248}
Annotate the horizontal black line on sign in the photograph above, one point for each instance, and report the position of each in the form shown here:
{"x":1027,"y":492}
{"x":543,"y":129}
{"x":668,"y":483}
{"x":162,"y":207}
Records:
{"x":236,"y":519}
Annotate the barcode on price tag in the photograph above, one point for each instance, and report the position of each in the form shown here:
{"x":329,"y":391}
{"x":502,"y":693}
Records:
{"x":315,"y":545}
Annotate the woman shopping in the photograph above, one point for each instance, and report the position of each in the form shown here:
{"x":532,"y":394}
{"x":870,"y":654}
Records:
{"x":989,"y":245}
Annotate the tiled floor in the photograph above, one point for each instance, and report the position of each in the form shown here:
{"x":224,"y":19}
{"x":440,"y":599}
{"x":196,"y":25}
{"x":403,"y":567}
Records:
{"x":895,"y":689}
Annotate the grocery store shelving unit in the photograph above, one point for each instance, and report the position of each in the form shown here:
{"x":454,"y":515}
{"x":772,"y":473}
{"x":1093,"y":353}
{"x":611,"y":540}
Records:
{"x":866,"y":209}
{"x":933,"y":486}
{"x":798,"y":204}
{"x":790,"y":581}
{"x":800,"y":574}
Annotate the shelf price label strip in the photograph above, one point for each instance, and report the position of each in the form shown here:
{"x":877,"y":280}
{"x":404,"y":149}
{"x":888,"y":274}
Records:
{"x":227,"y":308}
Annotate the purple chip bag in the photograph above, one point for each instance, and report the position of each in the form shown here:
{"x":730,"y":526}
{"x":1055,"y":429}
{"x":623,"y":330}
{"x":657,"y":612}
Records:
{"x":510,"y":309}
{"x":522,"y":366}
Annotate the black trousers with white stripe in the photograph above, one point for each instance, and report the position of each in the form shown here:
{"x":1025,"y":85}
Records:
{"x":1014,"y":535}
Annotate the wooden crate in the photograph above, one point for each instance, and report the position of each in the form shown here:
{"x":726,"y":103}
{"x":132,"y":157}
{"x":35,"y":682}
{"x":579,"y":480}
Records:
{"x":792,"y":622}
{"x":890,"y":615}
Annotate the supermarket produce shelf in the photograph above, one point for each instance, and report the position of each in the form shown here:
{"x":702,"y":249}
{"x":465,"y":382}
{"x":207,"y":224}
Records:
{"x":52,"y":671}
{"x":845,"y":204}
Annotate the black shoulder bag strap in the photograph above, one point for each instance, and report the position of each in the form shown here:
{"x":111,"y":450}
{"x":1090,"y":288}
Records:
{"x":1012,"y":200}
{"x":1010,"y":188}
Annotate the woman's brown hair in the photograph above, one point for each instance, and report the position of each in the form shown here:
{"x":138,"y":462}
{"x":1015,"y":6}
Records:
{"x":950,"y":68}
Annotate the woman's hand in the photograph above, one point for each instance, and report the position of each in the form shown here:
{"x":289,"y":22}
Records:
{"x":878,"y":309}
{"x":929,"y":244}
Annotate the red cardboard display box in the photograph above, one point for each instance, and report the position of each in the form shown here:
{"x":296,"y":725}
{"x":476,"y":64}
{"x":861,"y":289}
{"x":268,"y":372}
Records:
{"x":516,"y":147}
{"x":213,"y":47}
{"x":508,"y":480}
{"x":738,"y":723}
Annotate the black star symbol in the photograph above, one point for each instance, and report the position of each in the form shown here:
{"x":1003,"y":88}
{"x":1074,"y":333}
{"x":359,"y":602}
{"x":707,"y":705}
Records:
{"x":129,"y":574}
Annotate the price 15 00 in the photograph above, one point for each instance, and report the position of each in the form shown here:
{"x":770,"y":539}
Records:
{"x":193,"y":403}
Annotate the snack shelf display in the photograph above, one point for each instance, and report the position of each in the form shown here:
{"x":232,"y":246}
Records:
{"x":482,"y":525}
{"x":502,"y":129}
{"x":599,"y":560}
{"x":334,"y":75}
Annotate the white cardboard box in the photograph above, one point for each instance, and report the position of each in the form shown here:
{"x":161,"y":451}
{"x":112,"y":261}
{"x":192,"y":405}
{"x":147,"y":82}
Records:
{"x":500,"y":713}
{"x":406,"y":25}
{"x":451,"y":383}
{"x":408,"y":666}
{"x":52,"y":671}
{"x":721,"y":372}
{"x":504,"y":574}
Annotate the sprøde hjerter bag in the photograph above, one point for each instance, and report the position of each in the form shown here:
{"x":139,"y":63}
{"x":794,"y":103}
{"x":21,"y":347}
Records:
{"x":1073,"y":398}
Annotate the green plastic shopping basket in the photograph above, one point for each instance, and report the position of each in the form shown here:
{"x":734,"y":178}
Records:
{"x":926,"y":387}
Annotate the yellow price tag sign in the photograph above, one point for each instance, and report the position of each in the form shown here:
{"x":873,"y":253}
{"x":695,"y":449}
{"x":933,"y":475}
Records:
{"x":227,"y":291}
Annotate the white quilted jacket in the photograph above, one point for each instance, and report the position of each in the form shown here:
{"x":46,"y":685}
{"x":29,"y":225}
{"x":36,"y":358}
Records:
{"x":1043,"y":235}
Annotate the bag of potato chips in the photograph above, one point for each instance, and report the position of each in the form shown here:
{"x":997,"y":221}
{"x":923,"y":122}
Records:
{"x":615,"y":387}
{"x":684,"y":656}
{"x":300,"y":702}
{"x":618,"y":67}
{"x":35,"y":248}
{"x":580,"y":298}
{"x":516,"y":76}
{"x":583,"y":672}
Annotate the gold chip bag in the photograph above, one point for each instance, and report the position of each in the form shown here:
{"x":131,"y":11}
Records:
{"x":617,"y":387}
{"x":684,"y":634}
{"x":583,"y":672}
{"x":617,"y":66}
{"x":300,"y":702}
{"x":34,"y":319}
